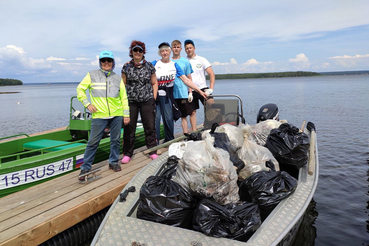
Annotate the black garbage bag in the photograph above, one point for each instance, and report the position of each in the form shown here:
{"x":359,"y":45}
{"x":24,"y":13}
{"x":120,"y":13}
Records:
{"x":165,"y":201}
{"x":171,"y":167}
{"x":221,"y":140}
{"x":234,"y":220}
{"x":290,"y":147}
{"x":267,"y":189}
{"x":195,"y":136}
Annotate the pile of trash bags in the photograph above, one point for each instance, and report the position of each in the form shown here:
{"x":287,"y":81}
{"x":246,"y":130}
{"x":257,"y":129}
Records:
{"x":226,"y":181}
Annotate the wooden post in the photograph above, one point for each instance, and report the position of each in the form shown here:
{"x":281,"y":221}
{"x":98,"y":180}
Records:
{"x":168,"y":143}
{"x":312,"y":153}
{"x":302,"y":127}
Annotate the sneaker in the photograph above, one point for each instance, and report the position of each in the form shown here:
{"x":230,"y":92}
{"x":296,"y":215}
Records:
{"x":126,"y":159}
{"x":115,"y":168}
{"x":154,"y":156}
{"x":81,"y":173}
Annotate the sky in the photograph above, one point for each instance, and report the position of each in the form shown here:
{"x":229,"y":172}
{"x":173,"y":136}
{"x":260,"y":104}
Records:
{"x":59,"y":41}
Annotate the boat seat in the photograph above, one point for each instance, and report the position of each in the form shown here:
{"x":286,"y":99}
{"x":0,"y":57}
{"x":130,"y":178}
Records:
{"x":52,"y":145}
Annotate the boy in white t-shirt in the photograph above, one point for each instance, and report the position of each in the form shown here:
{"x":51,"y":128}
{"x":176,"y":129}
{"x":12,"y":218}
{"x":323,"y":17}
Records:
{"x":200,"y":65}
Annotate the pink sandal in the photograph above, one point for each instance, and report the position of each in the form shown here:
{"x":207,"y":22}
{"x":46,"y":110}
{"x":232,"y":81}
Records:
{"x":154,"y":156}
{"x":126,"y":159}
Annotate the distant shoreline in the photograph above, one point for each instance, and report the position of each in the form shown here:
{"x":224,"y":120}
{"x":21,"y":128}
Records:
{"x":284,"y":74}
{"x":234,"y":76}
{"x":9,"y":92}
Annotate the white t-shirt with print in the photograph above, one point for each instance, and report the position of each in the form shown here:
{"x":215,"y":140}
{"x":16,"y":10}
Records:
{"x":199,"y":65}
{"x":166,"y":74}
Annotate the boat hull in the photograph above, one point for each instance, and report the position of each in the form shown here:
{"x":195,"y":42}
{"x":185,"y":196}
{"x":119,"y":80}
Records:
{"x":120,"y":225}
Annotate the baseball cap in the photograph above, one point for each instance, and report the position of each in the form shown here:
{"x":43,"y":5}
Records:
{"x":163,"y":43}
{"x":189,"y":41}
{"x":106,"y":54}
{"x":137,"y":46}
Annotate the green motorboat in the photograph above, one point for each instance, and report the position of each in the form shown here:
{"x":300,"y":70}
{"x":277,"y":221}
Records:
{"x":26,"y":160}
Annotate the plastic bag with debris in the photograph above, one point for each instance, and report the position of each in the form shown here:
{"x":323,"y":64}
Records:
{"x":262,"y":130}
{"x":254,"y":156}
{"x":234,"y":133}
{"x":177,"y":149}
{"x":208,"y":172}
{"x":222,"y":141}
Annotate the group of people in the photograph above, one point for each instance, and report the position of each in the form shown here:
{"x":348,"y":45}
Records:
{"x":169,"y":89}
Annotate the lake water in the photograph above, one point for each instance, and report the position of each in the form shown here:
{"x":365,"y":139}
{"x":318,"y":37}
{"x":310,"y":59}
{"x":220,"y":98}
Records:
{"x":337,"y":105}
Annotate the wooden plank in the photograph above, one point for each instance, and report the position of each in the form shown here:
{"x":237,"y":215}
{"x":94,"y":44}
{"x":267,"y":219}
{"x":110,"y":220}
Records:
{"x":66,"y":214}
{"x":28,"y":234}
{"x":34,"y":215}
{"x":71,"y":191}
{"x":23,"y":197}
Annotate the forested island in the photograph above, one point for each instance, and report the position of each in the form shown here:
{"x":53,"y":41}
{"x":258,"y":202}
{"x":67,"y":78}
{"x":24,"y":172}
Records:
{"x":360,"y":72}
{"x":264,"y":75}
{"x":10,"y":82}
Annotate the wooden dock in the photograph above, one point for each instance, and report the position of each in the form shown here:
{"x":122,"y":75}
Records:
{"x":34,"y":215}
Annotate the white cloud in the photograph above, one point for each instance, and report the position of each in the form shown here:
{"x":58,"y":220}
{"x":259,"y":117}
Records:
{"x":321,"y":66}
{"x":301,"y":62}
{"x":299,"y":58}
{"x":232,"y":61}
{"x":51,"y":58}
{"x":19,"y":65}
{"x":350,"y":57}
{"x":250,"y":36}
{"x":250,"y":62}
{"x":17,"y":60}
{"x":15,"y":48}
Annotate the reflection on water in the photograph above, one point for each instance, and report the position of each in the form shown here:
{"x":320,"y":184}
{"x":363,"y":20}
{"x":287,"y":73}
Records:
{"x":307,"y":232}
{"x":367,"y":203}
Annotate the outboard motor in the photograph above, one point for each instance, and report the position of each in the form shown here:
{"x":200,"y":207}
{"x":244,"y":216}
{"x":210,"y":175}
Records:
{"x":268,"y":112}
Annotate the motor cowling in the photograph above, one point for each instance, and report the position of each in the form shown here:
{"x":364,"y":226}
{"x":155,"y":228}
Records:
{"x":267,"y":112}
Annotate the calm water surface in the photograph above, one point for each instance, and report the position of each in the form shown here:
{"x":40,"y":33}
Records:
{"x":337,"y":105}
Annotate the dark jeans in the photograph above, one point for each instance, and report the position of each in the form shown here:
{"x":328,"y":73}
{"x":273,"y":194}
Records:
{"x":147,"y":112}
{"x":164,"y":110}
{"x":97,"y":130}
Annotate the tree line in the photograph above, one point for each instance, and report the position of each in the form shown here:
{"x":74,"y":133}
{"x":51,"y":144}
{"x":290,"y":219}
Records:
{"x":264,"y":75}
{"x":10,"y":82}
{"x":217,"y":76}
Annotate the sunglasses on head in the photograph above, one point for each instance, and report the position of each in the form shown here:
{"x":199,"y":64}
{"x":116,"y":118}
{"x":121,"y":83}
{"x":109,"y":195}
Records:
{"x":137,"y":50}
{"x":103,"y":60}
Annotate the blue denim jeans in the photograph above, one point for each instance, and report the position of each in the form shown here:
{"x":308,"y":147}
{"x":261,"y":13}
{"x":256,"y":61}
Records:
{"x":164,"y":110}
{"x":97,"y":129}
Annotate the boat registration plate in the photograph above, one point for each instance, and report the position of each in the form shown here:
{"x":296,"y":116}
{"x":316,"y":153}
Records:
{"x":34,"y":174}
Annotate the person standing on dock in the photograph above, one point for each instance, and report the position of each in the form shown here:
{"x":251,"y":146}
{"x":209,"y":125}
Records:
{"x":180,"y":90}
{"x":109,"y":107}
{"x":142,"y":88}
{"x":200,"y":65}
{"x":166,"y":107}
